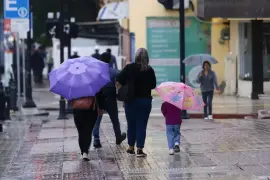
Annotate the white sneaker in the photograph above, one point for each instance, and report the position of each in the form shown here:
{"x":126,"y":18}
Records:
{"x":85,"y":157}
{"x":210,"y":117}
{"x":206,"y":118}
{"x":171,"y":152}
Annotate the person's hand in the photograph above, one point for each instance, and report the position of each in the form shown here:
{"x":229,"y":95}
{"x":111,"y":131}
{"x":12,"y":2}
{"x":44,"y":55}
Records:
{"x":201,"y":74}
{"x":100,"y":112}
{"x":117,"y":85}
{"x":218,"y":91}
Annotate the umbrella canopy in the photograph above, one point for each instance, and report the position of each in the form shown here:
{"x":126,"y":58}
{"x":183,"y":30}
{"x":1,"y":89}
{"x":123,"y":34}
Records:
{"x":79,"y":77}
{"x":180,"y":95}
{"x":198,"y":59}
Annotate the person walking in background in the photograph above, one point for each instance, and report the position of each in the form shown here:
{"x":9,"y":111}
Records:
{"x":96,"y":55}
{"x":208,"y":82}
{"x":37,"y":64}
{"x":75,"y":54}
{"x":85,"y":120}
{"x":113,"y":62}
{"x":110,"y":106}
{"x":49,"y":61}
{"x":173,"y":120}
{"x":142,"y":77}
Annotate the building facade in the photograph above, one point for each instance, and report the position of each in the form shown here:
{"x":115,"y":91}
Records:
{"x":247,"y":64}
{"x":157,"y":29}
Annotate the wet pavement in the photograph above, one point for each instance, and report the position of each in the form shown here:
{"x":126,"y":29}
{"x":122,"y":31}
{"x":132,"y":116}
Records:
{"x":41,"y":148}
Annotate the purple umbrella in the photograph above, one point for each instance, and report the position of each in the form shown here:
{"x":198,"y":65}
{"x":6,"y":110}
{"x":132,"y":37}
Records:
{"x":79,"y":77}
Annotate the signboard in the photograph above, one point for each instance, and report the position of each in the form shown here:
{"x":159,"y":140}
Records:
{"x":164,"y":47}
{"x":16,"y":9}
{"x":18,"y":13}
{"x":234,"y":8}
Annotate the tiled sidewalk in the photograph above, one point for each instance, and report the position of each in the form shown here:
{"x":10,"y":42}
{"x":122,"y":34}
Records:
{"x":48,"y":150}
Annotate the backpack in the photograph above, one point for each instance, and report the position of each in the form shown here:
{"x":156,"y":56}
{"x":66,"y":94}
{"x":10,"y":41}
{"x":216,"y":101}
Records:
{"x":84,"y":103}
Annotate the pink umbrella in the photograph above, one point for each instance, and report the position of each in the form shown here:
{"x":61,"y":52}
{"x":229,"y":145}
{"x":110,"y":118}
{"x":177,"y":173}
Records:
{"x":180,"y":95}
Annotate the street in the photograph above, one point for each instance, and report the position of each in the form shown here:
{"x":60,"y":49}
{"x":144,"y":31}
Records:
{"x":44,"y":148}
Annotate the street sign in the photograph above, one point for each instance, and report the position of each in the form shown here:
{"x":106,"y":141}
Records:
{"x":21,"y":26}
{"x":18,"y":13}
{"x":16,"y":9}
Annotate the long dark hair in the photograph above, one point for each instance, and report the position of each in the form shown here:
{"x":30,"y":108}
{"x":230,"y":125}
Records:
{"x":142,"y":58}
{"x":206,"y":62}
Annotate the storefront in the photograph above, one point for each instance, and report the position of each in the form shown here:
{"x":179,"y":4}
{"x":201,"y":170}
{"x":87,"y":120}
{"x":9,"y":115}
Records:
{"x":248,"y":42}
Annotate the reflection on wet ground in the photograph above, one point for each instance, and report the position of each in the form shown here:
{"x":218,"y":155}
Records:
{"x":47,"y":150}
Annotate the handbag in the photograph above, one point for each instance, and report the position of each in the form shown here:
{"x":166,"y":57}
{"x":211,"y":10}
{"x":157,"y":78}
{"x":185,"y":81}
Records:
{"x":126,"y":92}
{"x":84,"y":103}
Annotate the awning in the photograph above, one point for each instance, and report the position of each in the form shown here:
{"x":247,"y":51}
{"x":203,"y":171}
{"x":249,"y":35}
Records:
{"x":114,"y":10}
{"x":174,"y":4}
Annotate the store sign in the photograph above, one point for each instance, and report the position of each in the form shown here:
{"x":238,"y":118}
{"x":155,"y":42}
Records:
{"x":234,"y":8}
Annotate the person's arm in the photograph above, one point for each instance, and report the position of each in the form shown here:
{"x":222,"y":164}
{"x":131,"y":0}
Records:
{"x":115,"y":62}
{"x":199,"y":77}
{"x":163,"y":109}
{"x":153,"y":79}
{"x":216,"y":81}
{"x":123,"y":76}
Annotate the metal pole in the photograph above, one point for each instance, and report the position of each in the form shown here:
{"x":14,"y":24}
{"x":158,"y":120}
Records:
{"x":62,"y":102}
{"x":23,"y":68}
{"x":69,"y":106}
{"x":18,"y":73}
{"x":29,"y":102}
{"x":182,"y":48}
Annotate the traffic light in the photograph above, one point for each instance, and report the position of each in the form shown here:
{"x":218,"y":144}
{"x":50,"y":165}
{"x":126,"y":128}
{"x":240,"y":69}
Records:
{"x":70,"y":30}
{"x":51,"y":27}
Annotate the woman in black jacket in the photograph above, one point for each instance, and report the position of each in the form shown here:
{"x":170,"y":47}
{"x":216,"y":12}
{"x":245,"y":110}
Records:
{"x":143,"y":79}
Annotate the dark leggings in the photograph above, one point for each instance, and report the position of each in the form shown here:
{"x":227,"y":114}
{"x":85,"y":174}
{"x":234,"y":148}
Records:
{"x":207,"y":99}
{"x":85,"y":121}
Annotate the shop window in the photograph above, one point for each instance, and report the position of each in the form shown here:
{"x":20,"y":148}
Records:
{"x":245,"y":49}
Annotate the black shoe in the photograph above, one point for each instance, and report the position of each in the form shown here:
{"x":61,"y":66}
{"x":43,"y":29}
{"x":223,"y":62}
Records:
{"x":176,"y":148}
{"x":97,"y":144}
{"x":140,"y":153}
{"x":131,"y":151}
{"x":121,"y":139}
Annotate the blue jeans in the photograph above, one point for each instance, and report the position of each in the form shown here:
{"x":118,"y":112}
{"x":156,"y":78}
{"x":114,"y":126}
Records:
{"x":96,"y":128}
{"x":112,"y":109}
{"x":137,"y":115}
{"x":207,"y":99}
{"x":173,"y":135}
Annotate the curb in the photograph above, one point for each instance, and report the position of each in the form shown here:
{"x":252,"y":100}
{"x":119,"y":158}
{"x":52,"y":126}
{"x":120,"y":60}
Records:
{"x":191,"y":115}
{"x":41,"y":113}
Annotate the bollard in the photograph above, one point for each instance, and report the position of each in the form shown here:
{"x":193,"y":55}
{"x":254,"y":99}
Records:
{"x":13,"y":95}
{"x":7,"y":104}
{"x":69,"y":108}
{"x":2,"y":106}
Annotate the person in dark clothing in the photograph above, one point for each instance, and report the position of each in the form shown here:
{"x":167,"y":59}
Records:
{"x":142,"y":75}
{"x":75,"y":55}
{"x":96,"y":55}
{"x":37,"y":63}
{"x":113,"y":62}
{"x":110,"y":105}
{"x":85,"y":120}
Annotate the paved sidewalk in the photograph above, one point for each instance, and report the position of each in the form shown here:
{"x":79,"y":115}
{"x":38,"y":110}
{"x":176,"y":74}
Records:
{"x":47,"y":149}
